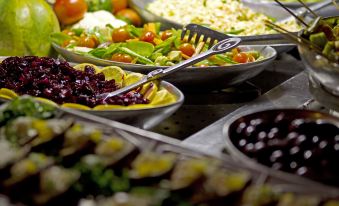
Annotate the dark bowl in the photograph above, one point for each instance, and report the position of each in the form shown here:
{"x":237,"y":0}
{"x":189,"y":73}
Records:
{"x":289,"y":114}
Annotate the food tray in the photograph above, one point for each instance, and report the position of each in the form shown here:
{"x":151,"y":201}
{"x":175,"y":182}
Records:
{"x":147,"y":141}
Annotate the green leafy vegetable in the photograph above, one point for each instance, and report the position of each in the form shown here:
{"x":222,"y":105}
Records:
{"x":111,"y":49}
{"x":98,"y":52}
{"x":225,"y":58}
{"x":142,"y":48}
{"x":134,"y":31}
{"x":96,"y":5}
{"x":78,"y":31}
{"x":59,"y":38}
{"x":141,"y":59}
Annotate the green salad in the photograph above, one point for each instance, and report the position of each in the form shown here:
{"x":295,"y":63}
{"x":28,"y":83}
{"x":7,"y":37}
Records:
{"x":147,"y":46}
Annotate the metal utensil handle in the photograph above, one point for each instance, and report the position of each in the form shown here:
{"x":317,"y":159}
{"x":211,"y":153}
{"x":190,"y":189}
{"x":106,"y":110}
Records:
{"x":220,"y":47}
{"x":124,"y":89}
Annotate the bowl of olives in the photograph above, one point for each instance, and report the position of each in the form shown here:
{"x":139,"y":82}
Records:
{"x":287,"y":141}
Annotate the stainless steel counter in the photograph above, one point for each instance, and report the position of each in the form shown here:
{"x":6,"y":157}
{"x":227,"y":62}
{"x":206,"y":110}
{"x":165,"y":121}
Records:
{"x":203,"y":108}
{"x":291,"y":94}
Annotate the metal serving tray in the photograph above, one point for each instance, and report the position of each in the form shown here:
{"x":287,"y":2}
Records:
{"x":160,"y":143}
{"x":145,"y":140}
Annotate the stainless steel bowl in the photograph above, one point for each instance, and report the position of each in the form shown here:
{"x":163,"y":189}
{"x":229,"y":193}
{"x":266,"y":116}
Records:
{"x":230,"y":125}
{"x":207,"y":77}
{"x":144,"y":118}
{"x":269,"y":9}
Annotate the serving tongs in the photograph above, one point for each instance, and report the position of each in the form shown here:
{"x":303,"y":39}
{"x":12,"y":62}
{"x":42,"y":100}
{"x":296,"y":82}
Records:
{"x":220,"y":47}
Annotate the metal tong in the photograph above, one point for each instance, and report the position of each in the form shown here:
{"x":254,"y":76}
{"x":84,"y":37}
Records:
{"x":220,"y":47}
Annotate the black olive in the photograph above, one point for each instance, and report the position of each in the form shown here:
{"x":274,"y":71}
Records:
{"x":262,"y":136}
{"x":302,"y":171}
{"x":292,"y":137}
{"x":241,"y":127}
{"x":276,"y":156}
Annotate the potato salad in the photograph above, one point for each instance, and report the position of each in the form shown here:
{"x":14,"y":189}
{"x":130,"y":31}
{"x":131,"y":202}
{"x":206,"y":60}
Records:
{"x":229,"y":16}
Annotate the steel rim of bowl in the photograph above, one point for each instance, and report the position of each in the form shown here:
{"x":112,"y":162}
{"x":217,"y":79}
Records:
{"x":177,"y":92}
{"x":236,"y":154}
{"x":272,"y":51}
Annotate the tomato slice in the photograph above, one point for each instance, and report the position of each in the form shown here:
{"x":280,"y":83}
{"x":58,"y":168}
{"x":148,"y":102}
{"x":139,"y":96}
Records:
{"x":147,"y":37}
{"x":166,"y":34}
{"x":241,"y":57}
{"x":120,"y":35}
{"x":122,"y":58}
{"x":187,"y":49}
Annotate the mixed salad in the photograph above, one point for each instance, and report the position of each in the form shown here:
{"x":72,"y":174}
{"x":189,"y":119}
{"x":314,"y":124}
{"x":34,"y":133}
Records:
{"x":229,"y":16}
{"x":147,"y":45}
{"x":325,"y":38}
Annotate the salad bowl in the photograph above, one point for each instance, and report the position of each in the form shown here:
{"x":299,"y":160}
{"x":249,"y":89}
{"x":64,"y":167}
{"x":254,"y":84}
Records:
{"x":210,"y":77}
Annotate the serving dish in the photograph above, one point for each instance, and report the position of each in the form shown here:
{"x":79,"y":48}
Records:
{"x":285,"y":142}
{"x":156,"y":170}
{"x":209,"y":77}
{"x":141,"y":115}
{"x":274,"y":11}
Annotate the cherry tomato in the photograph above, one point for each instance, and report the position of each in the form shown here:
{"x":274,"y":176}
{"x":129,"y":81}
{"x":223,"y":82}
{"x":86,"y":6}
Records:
{"x":89,"y":42}
{"x":118,"y":5}
{"x":70,"y":11}
{"x":187,"y":49}
{"x":240,"y":57}
{"x":166,"y":34}
{"x":131,"y":15}
{"x":122,"y":58}
{"x":120,"y":35}
{"x":147,"y":36}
